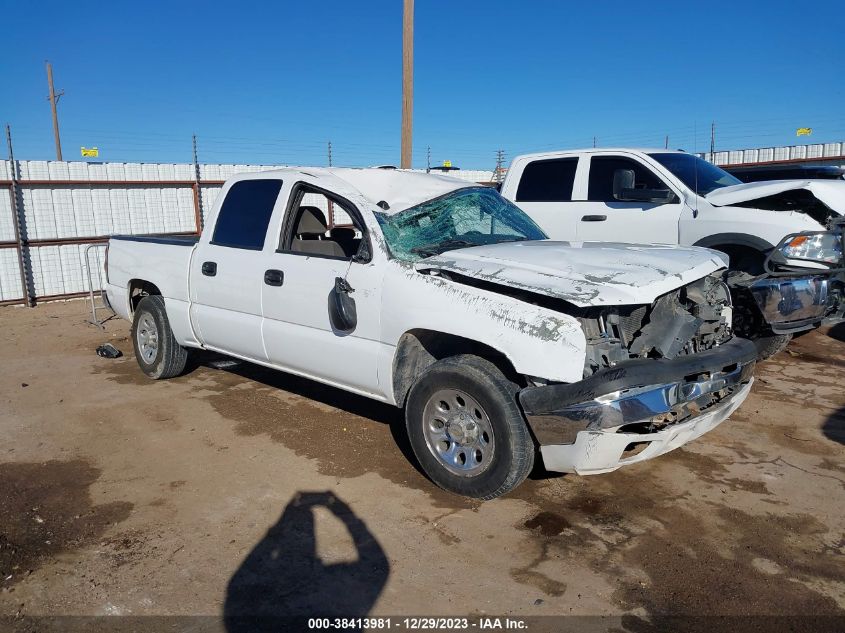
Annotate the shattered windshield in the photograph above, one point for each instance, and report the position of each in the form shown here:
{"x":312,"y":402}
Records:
{"x":696,"y":173}
{"x":473,"y":216}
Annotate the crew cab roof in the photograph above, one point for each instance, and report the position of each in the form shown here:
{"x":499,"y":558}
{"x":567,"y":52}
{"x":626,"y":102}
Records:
{"x":399,"y":188}
{"x":593,"y":150}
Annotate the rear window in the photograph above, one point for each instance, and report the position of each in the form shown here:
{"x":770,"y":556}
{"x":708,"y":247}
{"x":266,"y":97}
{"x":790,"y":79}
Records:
{"x":547,"y":181}
{"x":245,"y":214}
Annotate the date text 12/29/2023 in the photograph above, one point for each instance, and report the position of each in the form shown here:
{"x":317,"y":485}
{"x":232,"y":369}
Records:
{"x":418,"y":623}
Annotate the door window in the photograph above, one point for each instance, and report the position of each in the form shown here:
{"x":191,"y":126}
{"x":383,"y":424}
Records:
{"x":322,"y":225}
{"x":547,"y":181}
{"x":602,"y":169}
{"x":245,"y":214}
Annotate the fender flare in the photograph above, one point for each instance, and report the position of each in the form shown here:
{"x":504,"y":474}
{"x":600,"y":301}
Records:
{"x":735,"y":239}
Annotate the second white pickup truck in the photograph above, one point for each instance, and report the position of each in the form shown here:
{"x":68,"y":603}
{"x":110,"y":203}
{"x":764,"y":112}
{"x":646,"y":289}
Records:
{"x":447,"y":300}
{"x":784,"y":238}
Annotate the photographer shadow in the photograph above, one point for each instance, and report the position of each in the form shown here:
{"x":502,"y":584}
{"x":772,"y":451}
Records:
{"x":282,"y":581}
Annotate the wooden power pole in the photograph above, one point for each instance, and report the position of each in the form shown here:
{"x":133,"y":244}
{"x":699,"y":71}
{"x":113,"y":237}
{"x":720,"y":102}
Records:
{"x":407,"y":82}
{"x":54,"y":99}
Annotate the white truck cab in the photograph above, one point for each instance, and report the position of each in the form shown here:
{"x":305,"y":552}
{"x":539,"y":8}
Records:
{"x":784,"y":238}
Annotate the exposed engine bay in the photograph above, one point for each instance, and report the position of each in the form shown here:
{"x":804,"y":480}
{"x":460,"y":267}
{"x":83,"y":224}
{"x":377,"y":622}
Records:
{"x":694,"y":318}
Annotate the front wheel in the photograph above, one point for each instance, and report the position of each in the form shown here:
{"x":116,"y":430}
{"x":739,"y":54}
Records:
{"x":156,"y":350}
{"x":466,"y":429}
{"x":769,"y":345}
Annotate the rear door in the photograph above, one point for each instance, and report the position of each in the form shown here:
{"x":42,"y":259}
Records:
{"x":603,"y":218}
{"x":545,"y":192}
{"x":227,"y":270}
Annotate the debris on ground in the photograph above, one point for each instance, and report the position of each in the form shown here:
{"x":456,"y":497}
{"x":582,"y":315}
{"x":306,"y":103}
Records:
{"x":108,"y":351}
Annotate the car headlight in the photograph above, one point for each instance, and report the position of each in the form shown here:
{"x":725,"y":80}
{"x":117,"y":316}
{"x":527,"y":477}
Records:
{"x":825,"y":247}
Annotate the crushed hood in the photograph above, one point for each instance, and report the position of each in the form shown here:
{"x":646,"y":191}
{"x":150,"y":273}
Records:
{"x":831,"y":193}
{"x":582,"y":273}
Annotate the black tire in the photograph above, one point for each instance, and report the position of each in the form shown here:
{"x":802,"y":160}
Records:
{"x":169,"y":358}
{"x":512,"y":453}
{"x":768,"y":346}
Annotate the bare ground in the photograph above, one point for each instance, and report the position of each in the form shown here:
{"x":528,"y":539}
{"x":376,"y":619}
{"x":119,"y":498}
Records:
{"x":237,"y":490}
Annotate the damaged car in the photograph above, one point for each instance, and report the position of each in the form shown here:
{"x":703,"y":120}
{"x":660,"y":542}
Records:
{"x":784,"y":238}
{"x":442,"y":298}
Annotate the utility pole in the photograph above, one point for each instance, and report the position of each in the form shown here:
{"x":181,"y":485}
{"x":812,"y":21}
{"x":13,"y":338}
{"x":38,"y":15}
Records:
{"x":712,"y":140}
{"x":594,"y":141}
{"x":666,"y":144}
{"x":428,"y":159}
{"x":407,"y":81}
{"x":500,"y":165}
{"x":54,"y":99}
{"x":330,"y":153}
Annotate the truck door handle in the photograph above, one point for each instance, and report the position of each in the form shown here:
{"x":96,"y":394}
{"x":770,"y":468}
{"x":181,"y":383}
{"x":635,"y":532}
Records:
{"x":274,"y":277}
{"x":594,"y":218}
{"x":209,"y":269}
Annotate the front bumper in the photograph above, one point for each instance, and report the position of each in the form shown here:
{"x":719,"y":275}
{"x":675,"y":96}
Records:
{"x":792,"y":305}
{"x":638,"y":409}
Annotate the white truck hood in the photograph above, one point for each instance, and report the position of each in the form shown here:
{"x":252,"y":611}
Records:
{"x":831,"y":193}
{"x":582,"y":273}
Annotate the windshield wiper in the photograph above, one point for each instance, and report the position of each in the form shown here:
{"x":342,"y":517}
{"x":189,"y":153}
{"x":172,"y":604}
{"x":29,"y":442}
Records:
{"x":427,"y":250}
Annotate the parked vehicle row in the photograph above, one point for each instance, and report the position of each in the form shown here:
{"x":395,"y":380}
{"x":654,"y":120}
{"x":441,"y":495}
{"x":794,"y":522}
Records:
{"x":446,"y":299}
{"x":784,"y":238}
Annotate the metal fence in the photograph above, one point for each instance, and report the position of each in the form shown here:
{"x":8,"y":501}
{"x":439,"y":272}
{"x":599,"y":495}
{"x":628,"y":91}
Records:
{"x":52,"y":210}
{"x":821,"y":152}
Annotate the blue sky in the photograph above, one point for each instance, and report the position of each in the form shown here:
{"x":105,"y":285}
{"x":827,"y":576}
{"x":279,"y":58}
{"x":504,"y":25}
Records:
{"x":274,"y":82}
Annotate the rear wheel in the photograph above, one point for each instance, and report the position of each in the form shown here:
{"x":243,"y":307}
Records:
{"x":466,"y":429}
{"x":156,"y":350}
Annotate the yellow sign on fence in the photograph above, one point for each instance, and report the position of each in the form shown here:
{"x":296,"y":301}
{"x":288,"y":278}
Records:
{"x":91,"y":152}
{"x":803,"y":131}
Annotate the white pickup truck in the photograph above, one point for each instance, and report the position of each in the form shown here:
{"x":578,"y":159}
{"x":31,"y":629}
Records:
{"x":784,"y":237}
{"x":448,"y":300}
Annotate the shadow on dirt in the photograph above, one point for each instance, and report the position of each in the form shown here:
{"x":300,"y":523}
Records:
{"x":347,"y":403}
{"x":283,"y":578}
{"x":837,"y":332}
{"x":834,"y":426}
{"x":46,"y":509}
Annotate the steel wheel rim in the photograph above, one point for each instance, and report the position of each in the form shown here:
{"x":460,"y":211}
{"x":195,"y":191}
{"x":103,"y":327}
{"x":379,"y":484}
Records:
{"x":147,"y":337}
{"x":458,"y":432}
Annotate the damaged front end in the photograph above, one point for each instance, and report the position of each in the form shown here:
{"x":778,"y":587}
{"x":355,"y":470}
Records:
{"x":802,"y":286}
{"x":691,"y":319}
{"x":655,"y":377}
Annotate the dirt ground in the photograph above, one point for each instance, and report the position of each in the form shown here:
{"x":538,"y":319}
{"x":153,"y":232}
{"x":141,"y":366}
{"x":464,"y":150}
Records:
{"x":238,"y":490}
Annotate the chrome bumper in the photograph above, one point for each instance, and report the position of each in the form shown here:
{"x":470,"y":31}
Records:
{"x":590,"y":426}
{"x":595,"y":452}
{"x":790,"y":305}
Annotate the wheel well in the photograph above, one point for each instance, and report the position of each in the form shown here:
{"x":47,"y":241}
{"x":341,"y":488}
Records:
{"x":743,"y":257}
{"x":419,"y":349}
{"x":138,"y":289}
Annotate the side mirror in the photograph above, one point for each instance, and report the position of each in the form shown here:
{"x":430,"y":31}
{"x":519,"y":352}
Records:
{"x":624,"y":190}
{"x":342,"y":311}
{"x":623,"y":181}
{"x":363,"y":255}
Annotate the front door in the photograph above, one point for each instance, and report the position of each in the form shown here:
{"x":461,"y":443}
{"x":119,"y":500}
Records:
{"x":601,"y":217}
{"x":298,"y":332}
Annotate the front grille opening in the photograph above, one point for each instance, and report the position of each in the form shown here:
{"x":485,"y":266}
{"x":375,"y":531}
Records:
{"x":633,"y":449}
